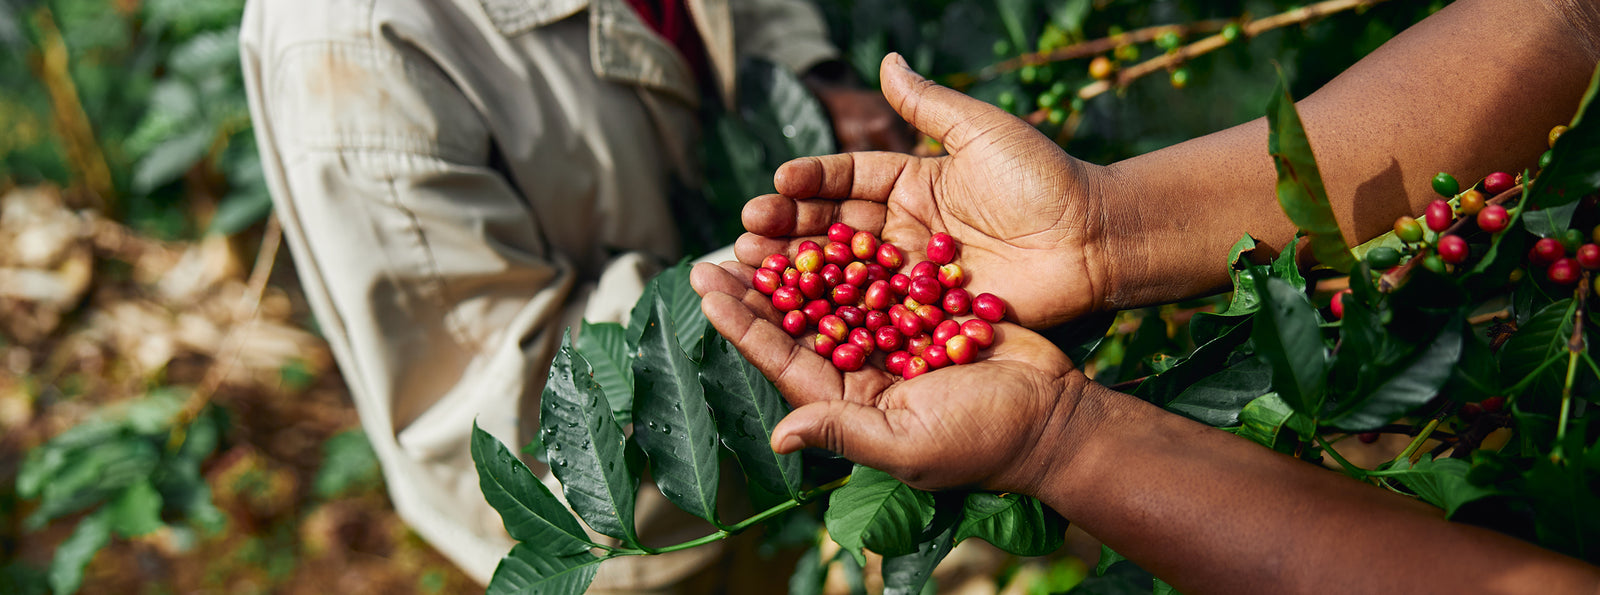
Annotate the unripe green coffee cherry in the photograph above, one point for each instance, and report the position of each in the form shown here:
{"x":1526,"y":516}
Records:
{"x":1446,"y":185}
{"x":1232,"y":32}
{"x":1382,"y":257}
{"x":1571,"y":240}
{"x":1544,"y":161}
{"x":1407,"y":229}
{"x":1433,"y":263}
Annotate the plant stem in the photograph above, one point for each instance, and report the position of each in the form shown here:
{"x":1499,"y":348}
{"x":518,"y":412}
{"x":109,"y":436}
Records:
{"x":1575,"y":347}
{"x":1416,"y":443}
{"x":1349,"y":468}
{"x":805,"y":498}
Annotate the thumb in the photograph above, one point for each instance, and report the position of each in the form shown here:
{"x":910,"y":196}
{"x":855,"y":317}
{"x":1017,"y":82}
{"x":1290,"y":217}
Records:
{"x":952,"y":117}
{"x":857,"y":432}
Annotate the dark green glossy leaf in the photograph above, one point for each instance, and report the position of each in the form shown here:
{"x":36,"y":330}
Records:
{"x":1210,"y":356}
{"x":1537,"y":353}
{"x":1549,"y":222}
{"x":531,"y":513}
{"x":1018,"y":524}
{"x":1108,"y":558}
{"x":136,"y":510}
{"x":1300,"y":189}
{"x":1244,"y":283}
{"x":673,"y":424}
{"x":74,"y":554}
{"x":1287,"y":266}
{"x":605,"y":347}
{"x":1160,"y":587}
{"x":1440,"y":482}
{"x":747,"y":408}
{"x":1287,"y":334}
{"x":348,"y":464}
{"x":782,"y":111}
{"x":174,"y":156}
{"x":876,"y":511}
{"x":1217,"y":399}
{"x":908,"y":574}
{"x":682,"y":302}
{"x":1407,"y":387}
{"x":586,"y":446}
{"x":1264,"y":420}
{"x":528,"y":570}
{"x":1574,"y":169}
{"x":1477,"y":375}
{"x":92,"y":474}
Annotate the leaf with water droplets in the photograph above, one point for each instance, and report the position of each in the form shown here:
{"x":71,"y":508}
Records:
{"x":683,"y":308}
{"x":529,"y":570}
{"x":908,"y":574}
{"x":605,"y":347}
{"x":585,"y":443}
{"x":532,"y":514}
{"x":679,"y":436}
{"x":747,"y":408}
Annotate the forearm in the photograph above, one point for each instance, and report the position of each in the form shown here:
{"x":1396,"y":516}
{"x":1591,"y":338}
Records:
{"x":1196,"y":505}
{"x":1471,"y":90}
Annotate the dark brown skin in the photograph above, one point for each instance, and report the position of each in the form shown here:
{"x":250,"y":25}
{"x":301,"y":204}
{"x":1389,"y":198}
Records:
{"x":1471,"y":90}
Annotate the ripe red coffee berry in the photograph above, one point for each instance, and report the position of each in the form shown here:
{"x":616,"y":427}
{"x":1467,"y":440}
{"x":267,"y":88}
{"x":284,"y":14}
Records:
{"x":1439,"y":215}
{"x":834,"y":327}
{"x":807,"y":245}
{"x":878,"y":296}
{"x":888,"y":338}
{"x":856,"y":274}
{"x":900,"y":283}
{"x":851,"y":315}
{"x":989,"y":307}
{"x":1589,"y":256}
{"x":952,"y":275}
{"x":936,"y":356}
{"x":776,"y":262}
{"x":863,"y":338}
{"x":849,"y":357}
{"x":890,"y":257}
{"x":841,"y":233}
{"x":876,"y":272}
{"x":957,"y":302}
{"x":816,"y":309}
{"x":1548,"y":250}
{"x":925,"y":290}
{"x":877,"y":320}
{"x":1498,"y":182}
{"x":825,"y":345}
{"x":916,"y":366}
{"x":1493,"y":219}
{"x":930,"y":315}
{"x":791,"y":277}
{"x":1493,"y":404}
{"x":925,"y":269}
{"x":767,"y":280}
{"x":832,"y":275}
{"x":794,"y":323}
{"x":808,"y":261}
{"x":1452,"y":249}
{"x":919,"y":343}
{"x":1563,"y":271}
{"x":864,"y":245}
{"x":898,"y":311}
{"x":837,"y":253}
{"x":941,"y":248}
{"x":945,"y":330}
{"x":787,"y":298}
{"x":812,"y":285}
{"x":846,"y":295}
{"x":909,"y":325}
{"x":1367,"y":437}
{"x":979,"y":331}
{"x":961,"y":350}
{"x":1336,"y":305}
{"x":895,"y":362}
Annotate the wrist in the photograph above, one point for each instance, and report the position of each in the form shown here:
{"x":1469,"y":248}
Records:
{"x":1125,"y":245}
{"x":1070,"y":442}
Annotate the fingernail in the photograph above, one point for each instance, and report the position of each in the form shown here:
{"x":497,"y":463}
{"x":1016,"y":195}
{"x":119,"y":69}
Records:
{"x":790,"y":444}
{"x":900,"y":61}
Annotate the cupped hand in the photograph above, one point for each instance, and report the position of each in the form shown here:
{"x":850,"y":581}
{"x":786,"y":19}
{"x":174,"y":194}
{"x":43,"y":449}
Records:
{"x":1030,"y":218}
{"x":998,"y":423}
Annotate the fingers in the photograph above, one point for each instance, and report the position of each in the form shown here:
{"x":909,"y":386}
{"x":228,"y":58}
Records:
{"x":798,"y":372}
{"x":864,"y":176}
{"x":950,"y":116}
{"x":774,"y":216}
{"x":861,"y":433}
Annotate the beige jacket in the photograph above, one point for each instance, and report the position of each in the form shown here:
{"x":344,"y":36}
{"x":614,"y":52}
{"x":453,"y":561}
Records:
{"x":460,"y":180}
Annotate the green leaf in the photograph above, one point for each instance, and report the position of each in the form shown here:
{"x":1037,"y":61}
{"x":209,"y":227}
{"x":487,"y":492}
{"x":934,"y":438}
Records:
{"x":606,"y":348}
{"x":1217,"y":399}
{"x":1530,"y":357}
{"x":586,"y":447}
{"x":1574,"y":169}
{"x":1287,"y":266}
{"x":169,"y":160}
{"x":1288,"y":335}
{"x":532,"y":514}
{"x":1440,"y":482}
{"x":1244,"y":284}
{"x":1018,"y":19}
{"x":528,"y":570}
{"x":136,"y":511}
{"x":747,"y":408}
{"x":1108,"y":558}
{"x":206,"y":52}
{"x":678,"y":433}
{"x":780,"y":109}
{"x":810,"y":572}
{"x":348,"y":462}
{"x":682,"y":302}
{"x":1406,"y":388}
{"x":1264,"y":419}
{"x":92,"y":474}
{"x":1160,"y":587}
{"x":1550,"y":222}
{"x":1018,"y":524}
{"x":908,"y":574}
{"x":1300,"y":189}
{"x":74,"y":554}
{"x":240,"y":210}
{"x":876,"y":511}
{"x":1477,"y":375}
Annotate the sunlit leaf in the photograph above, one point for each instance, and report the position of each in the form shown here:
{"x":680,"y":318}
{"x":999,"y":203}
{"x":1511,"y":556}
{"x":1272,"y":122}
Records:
{"x":1015,"y":523}
{"x":136,"y":510}
{"x":1300,"y":189}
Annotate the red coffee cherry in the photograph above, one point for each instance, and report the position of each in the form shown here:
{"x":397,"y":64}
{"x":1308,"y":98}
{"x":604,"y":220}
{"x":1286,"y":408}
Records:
{"x":846,"y":295}
{"x":864,"y":245}
{"x":807,"y":245}
{"x":812,"y":285}
{"x":895,"y":362}
{"x":794,"y":323}
{"x":825,"y":345}
{"x":834,"y":327}
{"x":961,"y":350}
{"x":776,"y":262}
{"x":832,"y":275}
{"x":856,"y":274}
{"x":876,"y":272}
{"x":1498,"y":182}
{"x":889,"y":338}
{"x":809,"y":261}
{"x":925,"y":290}
{"x":1439,"y":216}
{"x":945,"y":330}
{"x":916,"y":366}
{"x":936,"y":356}
{"x":838,"y":253}
{"x":919,"y":343}
{"x":1367,"y":437}
{"x":1493,"y":404}
{"x":957,"y":302}
{"x":941,"y":248}
{"x":849,"y":357}
{"x":877,"y":320}
{"x":900,"y":283}
{"x":930,"y":315}
{"x":863,"y":338}
{"x":767,"y":280}
{"x":952,"y":275}
{"x":989,"y":307}
{"x":841,"y":233}
{"x":878,"y":296}
{"x":890,"y":257}
{"x":851,"y":315}
{"x":909,"y":325}
{"x":925,"y":268}
{"x":979,"y":331}
{"x":1563,"y":271}
{"x":898,"y":311}
{"x":816,"y":309}
{"x":1493,"y":218}
{"x":791,"y":277}
{"x":1548,"y":250}
{"x":1452,"y":249}
{"x":1337,"y":304}
{"x":787,"y":298}
{"x":1589,"y":256}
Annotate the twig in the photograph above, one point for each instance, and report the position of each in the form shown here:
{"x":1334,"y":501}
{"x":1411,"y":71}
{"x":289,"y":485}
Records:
{"x":71,"y":121}
{"x":246,"y":313}
{"x":1397,"y":276}
{"x":1085,"y":49}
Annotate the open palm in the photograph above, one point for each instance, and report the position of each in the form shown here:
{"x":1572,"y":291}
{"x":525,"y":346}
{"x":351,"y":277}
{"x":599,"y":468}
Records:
{"x":1028,"y":216}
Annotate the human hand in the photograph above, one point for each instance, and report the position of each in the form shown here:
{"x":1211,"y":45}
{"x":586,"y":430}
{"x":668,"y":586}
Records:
{"x":1000,"y":423}
{"x":1030,"y":219}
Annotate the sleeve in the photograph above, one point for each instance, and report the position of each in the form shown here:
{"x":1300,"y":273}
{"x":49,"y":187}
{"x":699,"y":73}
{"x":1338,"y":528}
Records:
{"x":787,"y":32}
